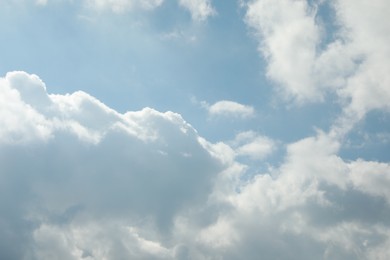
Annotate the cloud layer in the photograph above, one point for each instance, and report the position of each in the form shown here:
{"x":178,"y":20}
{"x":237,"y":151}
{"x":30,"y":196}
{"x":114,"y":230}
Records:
{"x":77,"y":156}
{"x":82,"y":181}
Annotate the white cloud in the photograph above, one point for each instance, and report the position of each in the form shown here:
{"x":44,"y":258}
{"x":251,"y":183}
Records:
{"x":288,"y":38}
{"x":200,"y":9}
{"x":369,"y":35}
{"x":229,"y":108}
{"x":79,"y":160}
{"x":19,"y":120}
{"x":371,"y":177}
{"x":312,"y":206}
{"x":81,"y":181}
{"x":354,"y":66}
{"x":89,"y":242}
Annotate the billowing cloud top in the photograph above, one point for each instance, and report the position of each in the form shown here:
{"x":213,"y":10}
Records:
{"x":81,"y":180}
{"x":86,"y":157}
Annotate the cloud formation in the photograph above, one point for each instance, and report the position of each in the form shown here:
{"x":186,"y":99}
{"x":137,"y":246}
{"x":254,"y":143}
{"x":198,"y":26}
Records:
{"x":306,"y":66}
{"x":79,"y":158}
{"x":288,"y":37}
{"x":81,"y":181}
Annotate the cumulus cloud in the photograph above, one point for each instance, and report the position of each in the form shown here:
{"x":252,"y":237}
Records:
{"x":80,"y":180}
{"x":368,"y":85}
{"x":77,"y":157}
{"x":306,"y":67}
{"x":310,"y":207}
{"x":229,"y":108}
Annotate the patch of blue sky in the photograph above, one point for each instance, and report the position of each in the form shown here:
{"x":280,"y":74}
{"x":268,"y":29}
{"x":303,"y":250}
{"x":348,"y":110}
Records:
{"x":370,"y":139}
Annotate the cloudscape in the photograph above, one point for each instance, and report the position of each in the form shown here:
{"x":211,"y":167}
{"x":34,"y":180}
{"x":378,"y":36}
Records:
{"x":194,"y":129}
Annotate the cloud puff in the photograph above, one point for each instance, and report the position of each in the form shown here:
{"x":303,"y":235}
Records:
{"x":229,"y":108}
{"x":78,"y":180}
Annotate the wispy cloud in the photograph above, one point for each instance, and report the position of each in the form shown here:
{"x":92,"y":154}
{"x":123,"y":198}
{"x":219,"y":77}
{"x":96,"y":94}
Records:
{"x":200,"y":9}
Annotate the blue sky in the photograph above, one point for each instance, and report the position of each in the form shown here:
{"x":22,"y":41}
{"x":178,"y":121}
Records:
{"x":194,"y":129}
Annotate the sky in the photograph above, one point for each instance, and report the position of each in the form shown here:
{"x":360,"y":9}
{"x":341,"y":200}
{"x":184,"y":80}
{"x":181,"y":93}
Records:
{"x":194,"y":129}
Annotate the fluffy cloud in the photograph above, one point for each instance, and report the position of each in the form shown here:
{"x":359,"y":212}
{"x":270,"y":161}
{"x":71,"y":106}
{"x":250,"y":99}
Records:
{"x":68,"y":156}
{"x":229,"y":108}
{"x":289,"y":37}
{"x":312,"y":206}
{"x":367,"y":34}
{"x":78,"y":180}
{"x":305,"y":66}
